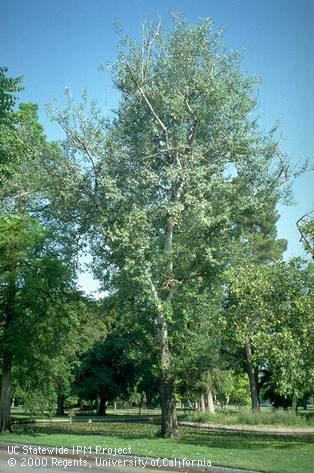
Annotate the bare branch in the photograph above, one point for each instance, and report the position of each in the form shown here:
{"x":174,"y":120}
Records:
{"x":303,"y":238}
{"x":193,"y":116}
{"x":140,"y":89}
{"x":76,"y":139}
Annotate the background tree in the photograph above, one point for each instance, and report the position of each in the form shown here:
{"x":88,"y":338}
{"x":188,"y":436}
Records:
{"x":287,"y":348}
{"x":8,"y":88}
{"x":107,"y":371}
{"x":33,"y":284}
{"x":271,"y":306}
{"x":196,"y":345}
{"x":37,"y":274}
{"x":255,"y":243}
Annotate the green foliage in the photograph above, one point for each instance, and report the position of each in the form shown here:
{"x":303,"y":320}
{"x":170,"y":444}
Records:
{"x":108,"y":369}
{"x":255,"y":236}
{"x":39,"y":402}
{"x":240,"y":390}
{"x":30,"y":264}
{"x":42,"y":315}
{"x":184,"y":117}
{"x":273,"y":305}
{"x":234,"y":389}
{"x":8,"y":88}
{"x":22,"y":149}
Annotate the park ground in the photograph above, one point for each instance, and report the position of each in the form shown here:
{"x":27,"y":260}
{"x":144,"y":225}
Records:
{"x":256,"y":451}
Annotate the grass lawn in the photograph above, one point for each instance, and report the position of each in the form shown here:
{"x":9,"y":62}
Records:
{"x":247,"y":451}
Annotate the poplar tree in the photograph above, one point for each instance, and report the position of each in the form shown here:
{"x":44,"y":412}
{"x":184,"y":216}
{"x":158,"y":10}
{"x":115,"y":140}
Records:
{"x":165,"y":182}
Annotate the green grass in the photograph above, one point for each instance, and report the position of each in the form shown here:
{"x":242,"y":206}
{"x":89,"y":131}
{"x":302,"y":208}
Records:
{"x":247,"y":417}
{"x":247,"y":451}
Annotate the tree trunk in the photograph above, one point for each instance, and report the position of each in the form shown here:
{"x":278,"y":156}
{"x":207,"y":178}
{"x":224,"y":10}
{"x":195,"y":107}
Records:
{"x":251,"y":371}
{"x":5,"y":396}
{"x":97,"y":403}
{"x":167,"y":395}
{"x":202,"y":402}
{"x":227,"y":399}
{"x":5,"y":399}
{"x":168,"y":408}
{"x":304,"y":402}
{"x":210,"y":402}
{"x":60,"y":405}
{"x":102,"y":407}
{"x":141,"y":403}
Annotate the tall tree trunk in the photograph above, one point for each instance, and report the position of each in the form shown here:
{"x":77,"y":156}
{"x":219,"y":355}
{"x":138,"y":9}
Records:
{"x":102,"y":407}
{"x":210,"y":402}
{"x":97,"y":403}
{"x":167,"y":395}
{"x":141,"y":403}
{"x":60,"y":405}
{"x":202,"y":402}
{"x":168,"y":402}
{"x":169,"y":422}
{"x":227,"y":401}
{"x":168,"y":408}
{"x":5,"y":396}
{"x":251,"y":371}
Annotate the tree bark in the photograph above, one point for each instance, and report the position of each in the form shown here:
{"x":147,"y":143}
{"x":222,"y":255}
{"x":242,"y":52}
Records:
{"x":210,"y":402}
{"x":168,"y":408}
{"x":227,"y":402}
{"x":167,"y":392}
{"x":5,"y":399}
{"x":141,"y":403}
{"x":5,"y":396}
{"x":168,"y":402}
{"x":102,"y":407}
{"x":60,"y":405}
{"x":202,"y":402}
{"x":251,"y":371}
{"x":167,"y":395}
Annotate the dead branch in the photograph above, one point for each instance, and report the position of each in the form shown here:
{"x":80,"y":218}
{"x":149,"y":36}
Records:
{"x":301,"y":221}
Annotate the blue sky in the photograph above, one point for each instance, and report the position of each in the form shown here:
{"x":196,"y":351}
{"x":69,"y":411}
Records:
{"x":62,"y":43}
